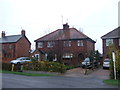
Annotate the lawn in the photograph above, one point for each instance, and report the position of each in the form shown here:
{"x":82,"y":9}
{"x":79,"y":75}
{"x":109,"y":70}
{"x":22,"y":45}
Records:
{"x":112,"y":82}
{"x":26,"y":74}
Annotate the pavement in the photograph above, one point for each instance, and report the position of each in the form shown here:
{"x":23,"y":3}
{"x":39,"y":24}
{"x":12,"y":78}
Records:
{"x":74,"y":78}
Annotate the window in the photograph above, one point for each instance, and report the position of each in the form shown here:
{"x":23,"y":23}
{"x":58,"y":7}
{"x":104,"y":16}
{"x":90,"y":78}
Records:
{"x":80,"y":43}
{"x":119,"y":41}
{"x":40,"y":44}
{"x":50,"y":44}
{"x":10,"y":46}
{"x":67,"y":43}
{"x":109,"y":42}
{"x":68,"y":55}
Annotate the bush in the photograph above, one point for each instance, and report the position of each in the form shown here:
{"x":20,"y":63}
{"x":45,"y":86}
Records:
{"x":44,"y":66}
{"x":117,"y":66}
{"x":6,"y":66}
{"x":71,"y":67}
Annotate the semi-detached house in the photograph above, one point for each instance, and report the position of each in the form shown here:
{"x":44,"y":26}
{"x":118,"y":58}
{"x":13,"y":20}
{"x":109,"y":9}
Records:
{"x":68,"y":45}
{"x":112,"y":37}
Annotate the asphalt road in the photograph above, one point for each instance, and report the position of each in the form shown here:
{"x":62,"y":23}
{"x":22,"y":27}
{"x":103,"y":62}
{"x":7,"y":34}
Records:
{"x":19,"y":81}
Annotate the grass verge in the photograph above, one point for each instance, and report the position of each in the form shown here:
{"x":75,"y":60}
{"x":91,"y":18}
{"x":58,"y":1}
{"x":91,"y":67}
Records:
{"x":26,"y":74}
{"x":112,"y":82}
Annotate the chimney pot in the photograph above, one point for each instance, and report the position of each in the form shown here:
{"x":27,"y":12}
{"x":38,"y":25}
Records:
{"x":66,"y":26}
{"x":3,"y":34}
{"x":23,"y":32}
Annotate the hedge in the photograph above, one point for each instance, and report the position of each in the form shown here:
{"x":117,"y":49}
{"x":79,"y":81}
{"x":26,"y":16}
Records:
{"x":44,"y":66}
{"x":6,"y":66}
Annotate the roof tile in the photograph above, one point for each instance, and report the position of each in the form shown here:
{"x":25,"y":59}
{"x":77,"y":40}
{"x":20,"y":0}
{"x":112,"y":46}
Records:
{"x":10,"y":39}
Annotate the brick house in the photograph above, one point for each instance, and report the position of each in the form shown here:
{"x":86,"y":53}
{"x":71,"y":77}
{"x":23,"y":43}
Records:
{"x":68,"y":45}
{"x":14,"y":46}
{"x":112,"y":37}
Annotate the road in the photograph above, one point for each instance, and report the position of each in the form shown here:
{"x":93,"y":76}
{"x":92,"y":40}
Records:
{"x":62,"y":81}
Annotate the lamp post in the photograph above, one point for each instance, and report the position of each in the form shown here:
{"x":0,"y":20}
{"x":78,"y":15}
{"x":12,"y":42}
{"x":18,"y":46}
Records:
{"x":113,"y":55}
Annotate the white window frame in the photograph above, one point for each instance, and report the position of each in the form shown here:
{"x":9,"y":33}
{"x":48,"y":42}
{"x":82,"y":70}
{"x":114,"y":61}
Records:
{"x":109,"y":42}
{"x":80,"y":43}
{"x":67,"y":43}
{"x":40,"y":44}
{"x":10,"y":46}
{"x":50,"y":44}
{"x":68,"y":55}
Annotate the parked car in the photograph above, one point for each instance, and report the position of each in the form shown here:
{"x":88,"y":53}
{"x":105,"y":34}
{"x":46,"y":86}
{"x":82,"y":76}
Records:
{"x":20,"y":60}
{"x":106,"y":63}
{"x":86,"y":63}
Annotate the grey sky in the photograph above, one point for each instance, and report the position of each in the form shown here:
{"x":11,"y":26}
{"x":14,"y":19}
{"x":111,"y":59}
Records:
{"x":39,"y":17}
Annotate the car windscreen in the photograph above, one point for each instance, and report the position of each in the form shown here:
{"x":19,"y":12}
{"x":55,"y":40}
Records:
{"x":106,"y":60}
{"x":21,"y":58}
{"x":87,"y":60}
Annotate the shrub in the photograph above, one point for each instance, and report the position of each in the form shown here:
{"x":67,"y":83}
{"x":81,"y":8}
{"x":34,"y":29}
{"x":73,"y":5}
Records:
{"x":71,"y":67}
{"x":117,"y":66}
{"x":44,"y":66}
{"x":6,"y":66}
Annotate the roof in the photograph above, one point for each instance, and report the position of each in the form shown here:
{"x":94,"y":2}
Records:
{"x":113,"y":34}
{"x":62,"y":34}
{"x":40,"y":51}
{"x":10,"y":39}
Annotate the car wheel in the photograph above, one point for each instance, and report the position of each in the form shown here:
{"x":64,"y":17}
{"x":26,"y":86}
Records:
{"x":83,"y":67}
{"x":18,"y":63}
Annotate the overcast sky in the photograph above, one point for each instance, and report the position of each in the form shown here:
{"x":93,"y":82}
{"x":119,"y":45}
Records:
{"x":40,"y":17}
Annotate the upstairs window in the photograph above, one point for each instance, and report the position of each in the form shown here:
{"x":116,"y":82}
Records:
{"x":119,"y":41}
{"x":67,"y":43}
{"x":50,"y":44}
{"x":40,"y":44}
{"x":109,"y":42}
{"x":10,"y":46}
{"x":80,"y":43}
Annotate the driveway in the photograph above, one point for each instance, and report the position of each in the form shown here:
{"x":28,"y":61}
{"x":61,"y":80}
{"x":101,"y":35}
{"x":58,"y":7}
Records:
{"x":76,"y":80}
{"x":96,"y":73}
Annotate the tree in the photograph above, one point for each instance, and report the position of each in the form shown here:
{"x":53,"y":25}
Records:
{"x":94,"y":55}
{"x":97,"y":56}
{"x":91,"y":55}
{"x":118,"y":64}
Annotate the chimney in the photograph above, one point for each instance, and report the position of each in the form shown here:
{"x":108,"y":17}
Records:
{"x":65,"y":26}
{"x":23,"y":32}
{"x":3,"y":34}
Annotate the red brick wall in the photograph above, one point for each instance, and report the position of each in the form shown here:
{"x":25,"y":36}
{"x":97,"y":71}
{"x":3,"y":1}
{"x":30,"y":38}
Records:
{"x":19,"y":49}
{"x":22,"y":48}
{"x":106,"y":48}
{"x":90,"y":46}
{"x":76,"y":50}
{"x":8,"y":51}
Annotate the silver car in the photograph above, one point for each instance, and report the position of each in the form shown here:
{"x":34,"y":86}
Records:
{"x":106,"y":63}
{"x":86,"y":62}
{"x":20,"y":60}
